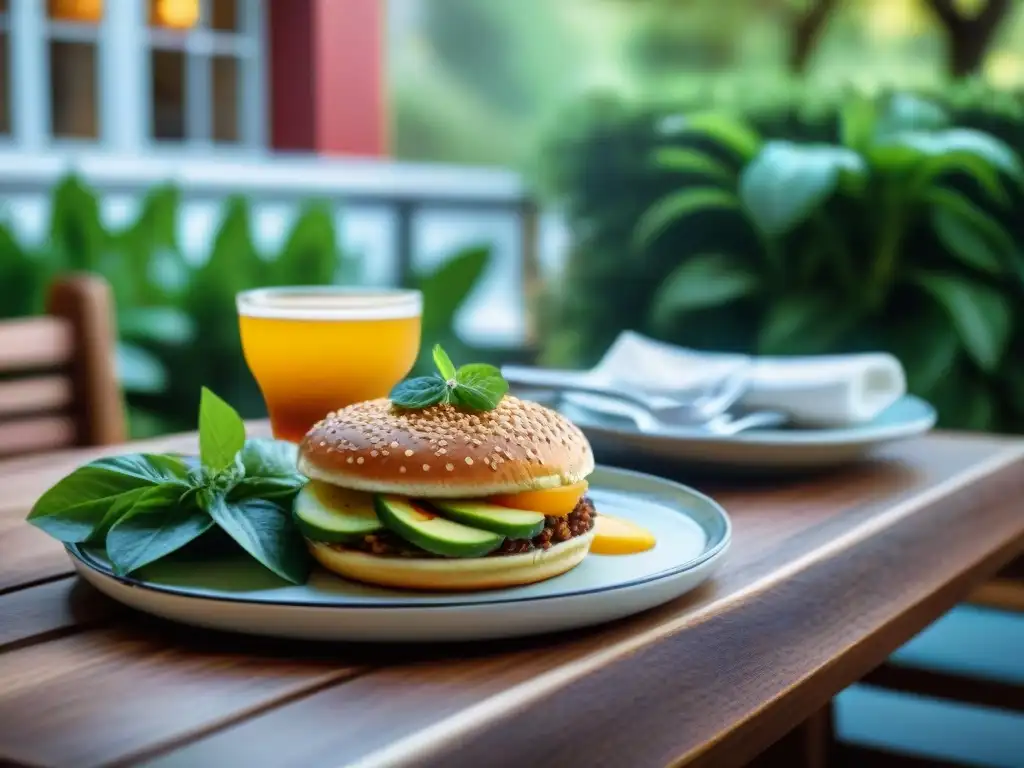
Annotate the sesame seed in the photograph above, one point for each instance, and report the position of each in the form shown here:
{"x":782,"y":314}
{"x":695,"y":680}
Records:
{"x":401,"y":470}
{"x":469,"y":461}
{"x":442,"y":451}
{"x":394,"y":443}
{"x":349,"y":460}
{"x":426,"y":467}
{"x":450,"y":467}
{"x":374,"y":453}
{"x":385,"y":453}
{"x":360,"y":460}
{"x":409,"y":452}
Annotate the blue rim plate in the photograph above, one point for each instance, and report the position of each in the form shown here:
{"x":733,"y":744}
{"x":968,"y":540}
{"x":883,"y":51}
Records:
{"x":236,"y":593}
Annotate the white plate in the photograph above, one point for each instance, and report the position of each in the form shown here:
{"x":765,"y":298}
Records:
{"x":693,"y":534}
{"x":616,"y":440}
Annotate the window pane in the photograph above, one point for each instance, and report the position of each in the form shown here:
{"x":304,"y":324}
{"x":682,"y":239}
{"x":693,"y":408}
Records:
{"x":225,"y":98}
{"x":224,"y":15}
{"x":5,"y":117}
{"x":173,"y":14}
{"x":90,"y":11}
{"x":168,"y":94}
{"x":73,"y":103}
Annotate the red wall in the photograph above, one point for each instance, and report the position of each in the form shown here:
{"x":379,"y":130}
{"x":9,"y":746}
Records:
{"x":326,"y":66}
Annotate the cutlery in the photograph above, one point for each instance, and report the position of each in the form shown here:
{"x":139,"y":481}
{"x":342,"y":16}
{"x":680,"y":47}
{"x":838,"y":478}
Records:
{"x":712,"y":400}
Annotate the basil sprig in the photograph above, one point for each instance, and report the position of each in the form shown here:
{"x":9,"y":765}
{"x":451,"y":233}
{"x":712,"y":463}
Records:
{"x":476,"y":386}
{"x":144,"y":506}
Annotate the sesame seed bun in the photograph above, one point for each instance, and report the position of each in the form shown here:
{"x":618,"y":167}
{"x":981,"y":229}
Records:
{"x":454,"y":574}
{"x":445,"y":451}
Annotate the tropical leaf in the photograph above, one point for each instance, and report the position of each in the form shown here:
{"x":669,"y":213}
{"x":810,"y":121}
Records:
{"x":729,"y":132}
{"x":786,"y":182}
{"x":968,"y":233}
{"x":678,"y":205}
{"x":805,"y":325}
{"x":980,"y":314}
{"x":907,"y":112}
{"x":687,"y":160}
{"x":702,"y":281}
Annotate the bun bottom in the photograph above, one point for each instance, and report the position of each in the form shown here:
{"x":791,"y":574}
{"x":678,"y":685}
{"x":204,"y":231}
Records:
{"x":454,"y":574}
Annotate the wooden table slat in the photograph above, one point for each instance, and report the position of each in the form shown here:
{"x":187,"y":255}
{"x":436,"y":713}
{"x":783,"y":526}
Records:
{"x":40,"y":612}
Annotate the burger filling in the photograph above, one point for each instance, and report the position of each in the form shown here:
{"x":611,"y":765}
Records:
{"x":556,"y":530}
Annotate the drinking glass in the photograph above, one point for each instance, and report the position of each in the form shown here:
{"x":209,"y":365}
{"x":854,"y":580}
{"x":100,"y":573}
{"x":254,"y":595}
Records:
{"x":313,"y":350}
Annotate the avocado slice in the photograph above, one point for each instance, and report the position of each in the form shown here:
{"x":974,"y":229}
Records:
{"x":514,"y":523}
{"x":428,"y":530}
{"x":327,"y":513}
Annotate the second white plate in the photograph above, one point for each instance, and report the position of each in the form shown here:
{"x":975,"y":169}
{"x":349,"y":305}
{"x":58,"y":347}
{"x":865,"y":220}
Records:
{"x":616,"y":439}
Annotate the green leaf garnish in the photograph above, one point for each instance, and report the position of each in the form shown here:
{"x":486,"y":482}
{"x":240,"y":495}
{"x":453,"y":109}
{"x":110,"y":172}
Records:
{"x":221,"y":432}
{"x":421,"y":392}
{"x":265,"y":531}
{"x":141,"y":507}
{"x":477,"y":386}
{"x":159,"y":522}
{"x":444,"y":363}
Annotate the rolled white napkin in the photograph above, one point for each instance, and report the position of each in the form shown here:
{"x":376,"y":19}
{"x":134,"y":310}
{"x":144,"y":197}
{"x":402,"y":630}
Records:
{"x":825,"y":390}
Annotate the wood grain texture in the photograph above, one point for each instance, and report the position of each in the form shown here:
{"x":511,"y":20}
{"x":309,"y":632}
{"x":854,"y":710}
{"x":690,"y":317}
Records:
{"x":38,"y":394}
{"x":938,"y":684}
{"x":827,"y":575}
{"x":805,"y":606}
{"x":36,"y":343}
{"x":36,"y":434}
{"x":47,"y":610}
{"x":101,"y":696}
{"x":86,"y":302}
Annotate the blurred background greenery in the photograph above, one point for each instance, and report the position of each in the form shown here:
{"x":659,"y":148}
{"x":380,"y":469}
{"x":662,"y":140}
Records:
{"x":773,"y":176}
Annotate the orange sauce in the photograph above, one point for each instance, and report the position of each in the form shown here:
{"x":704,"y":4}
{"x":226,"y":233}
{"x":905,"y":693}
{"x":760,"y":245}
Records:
{"x":617,"y":536}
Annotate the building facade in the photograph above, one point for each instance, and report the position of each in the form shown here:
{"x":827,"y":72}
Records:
{"x":135,"y":76}
{"x":282,"y":100}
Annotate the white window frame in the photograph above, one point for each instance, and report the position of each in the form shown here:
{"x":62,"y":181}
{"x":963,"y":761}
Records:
{"x":246,"y":45}
{"x":124,"y":78}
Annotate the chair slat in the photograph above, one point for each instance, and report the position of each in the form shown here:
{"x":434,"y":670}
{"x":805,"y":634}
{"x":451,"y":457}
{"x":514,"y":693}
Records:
{"x":45,"y":433}
{"x":1000,"y":595}
{"x":40,"y":394}
{"x":35,"y":343}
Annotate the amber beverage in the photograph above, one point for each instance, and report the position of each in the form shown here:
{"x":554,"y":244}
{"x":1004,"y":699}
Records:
{"x":314,"y":350}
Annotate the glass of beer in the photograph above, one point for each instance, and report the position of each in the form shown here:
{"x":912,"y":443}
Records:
{"x":313,"y":350}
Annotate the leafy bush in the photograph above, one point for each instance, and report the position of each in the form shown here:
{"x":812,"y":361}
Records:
{"x":820,"y":226}
{"x":177,"y":322}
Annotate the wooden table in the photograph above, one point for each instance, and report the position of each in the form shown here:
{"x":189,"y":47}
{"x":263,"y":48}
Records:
{"x":826,"y":577}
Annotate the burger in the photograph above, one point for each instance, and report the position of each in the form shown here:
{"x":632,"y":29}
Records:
{"x":446,"y":498}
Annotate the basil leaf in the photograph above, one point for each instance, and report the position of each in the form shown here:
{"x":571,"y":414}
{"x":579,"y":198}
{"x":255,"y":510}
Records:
{"x":116,"y":511}
{"x":280,"y":490}
{"x":270,"y":458}
{"x":420,"y":392}
{"x":444,"y":363}
{"x":76,"y":505}
{"x":221,"y":432}
{"x":162,"y":520}
{"x":479,"y":386}
{"x":266,"y":532}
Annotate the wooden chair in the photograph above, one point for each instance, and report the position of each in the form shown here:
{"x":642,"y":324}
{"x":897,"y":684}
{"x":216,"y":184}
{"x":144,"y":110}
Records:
{"x":58,"y":380}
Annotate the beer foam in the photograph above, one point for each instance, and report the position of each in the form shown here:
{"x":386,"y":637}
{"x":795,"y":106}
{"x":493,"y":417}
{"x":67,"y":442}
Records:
{"x":328,"y":303}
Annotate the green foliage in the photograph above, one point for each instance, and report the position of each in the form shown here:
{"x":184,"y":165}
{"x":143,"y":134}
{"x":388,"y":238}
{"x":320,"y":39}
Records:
{"x":794,"y":221}
{"x":177,"y":322}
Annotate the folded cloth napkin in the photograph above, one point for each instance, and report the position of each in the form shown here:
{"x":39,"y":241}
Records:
{"x":825,"y":390}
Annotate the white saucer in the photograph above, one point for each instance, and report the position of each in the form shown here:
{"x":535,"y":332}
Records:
{"x":616,"y":438}
{"x":237,"y":594}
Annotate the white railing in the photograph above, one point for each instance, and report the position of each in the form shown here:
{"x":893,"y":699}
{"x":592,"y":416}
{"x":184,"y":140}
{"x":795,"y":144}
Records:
{"x":400,"y":217}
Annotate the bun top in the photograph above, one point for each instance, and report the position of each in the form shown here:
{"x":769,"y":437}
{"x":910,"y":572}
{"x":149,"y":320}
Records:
{"x":446,"y":451}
